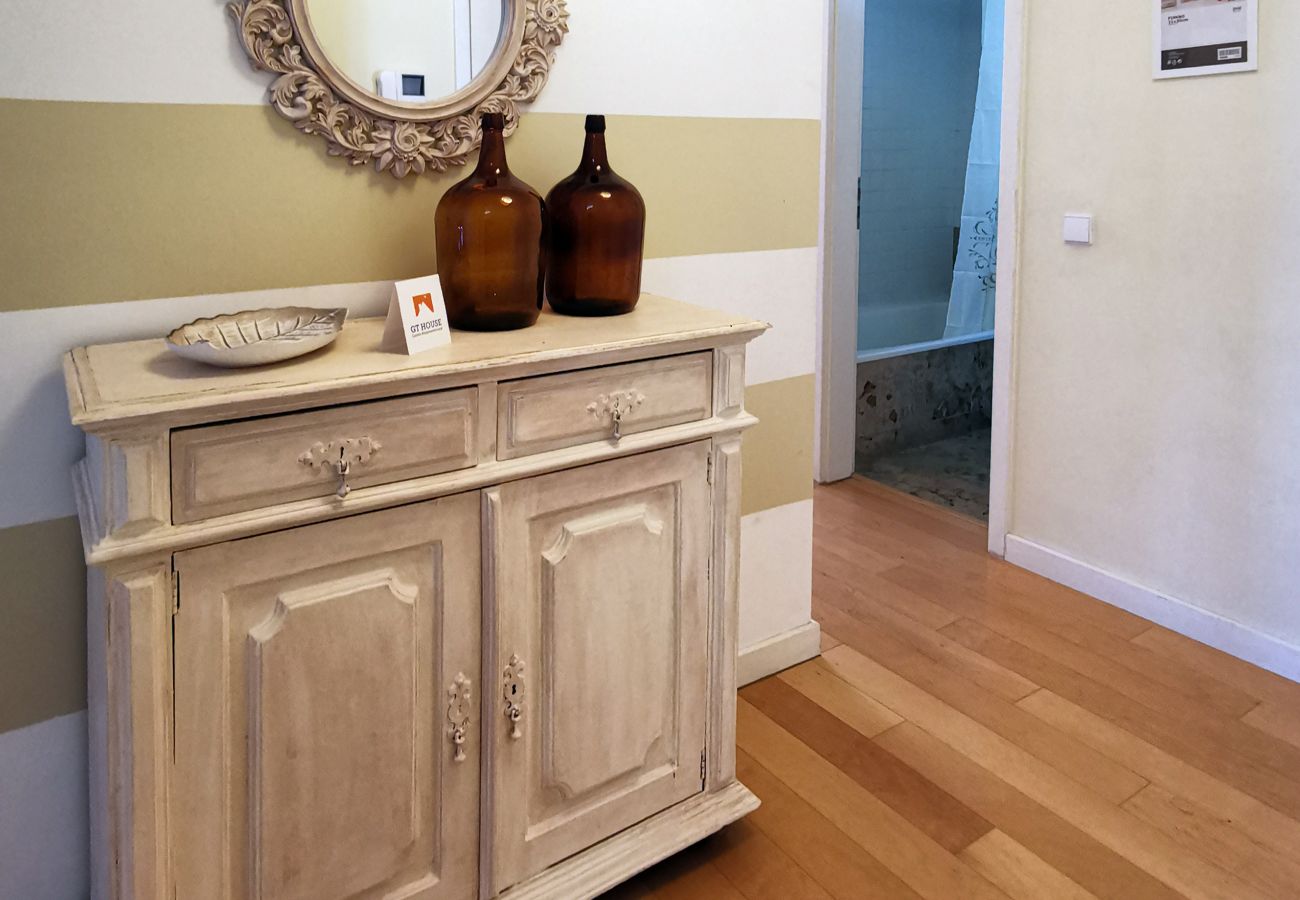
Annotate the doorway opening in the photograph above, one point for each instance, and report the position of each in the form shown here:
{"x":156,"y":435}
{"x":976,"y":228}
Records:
{"x":927,"y":258}
{"x":922,"y":259}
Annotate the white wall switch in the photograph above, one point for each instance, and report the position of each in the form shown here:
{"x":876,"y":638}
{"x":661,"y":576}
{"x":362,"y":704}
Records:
{"x":1078,"y":229}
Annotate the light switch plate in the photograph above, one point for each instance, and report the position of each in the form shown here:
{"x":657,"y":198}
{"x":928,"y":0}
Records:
{"x":1078,"y":229}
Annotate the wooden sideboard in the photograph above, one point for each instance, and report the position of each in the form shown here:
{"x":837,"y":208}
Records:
{"x":458,"y":625}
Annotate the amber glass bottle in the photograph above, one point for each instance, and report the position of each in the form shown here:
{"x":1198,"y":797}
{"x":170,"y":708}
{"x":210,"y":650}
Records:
{"x":597,"y":233}
{"x":490,"y":235}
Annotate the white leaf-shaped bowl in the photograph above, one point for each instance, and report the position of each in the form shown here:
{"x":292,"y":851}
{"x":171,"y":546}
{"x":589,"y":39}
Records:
{"x":257,"y":337}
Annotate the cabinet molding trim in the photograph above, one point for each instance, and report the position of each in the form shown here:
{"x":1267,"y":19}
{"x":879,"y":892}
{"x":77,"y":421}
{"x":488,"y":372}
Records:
{"x":489,"y":526}
{"x":101,"y":548}
{"x":134,"y":758}
{"x":724,"y":612}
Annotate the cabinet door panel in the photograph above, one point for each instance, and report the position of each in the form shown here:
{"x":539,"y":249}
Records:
{"x":315,"y":672}
{"x":601,"y":594}
{"x":579,"y":626}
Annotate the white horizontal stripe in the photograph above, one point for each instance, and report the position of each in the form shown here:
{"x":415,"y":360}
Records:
{"x":776,"y":286}
{"x":744,"y":58}
{"x":737,"y":58}
{"x":44,"y":832}
{"x":132,"y":51}
{"x":775,"y":571}
{"x":39,"y":445}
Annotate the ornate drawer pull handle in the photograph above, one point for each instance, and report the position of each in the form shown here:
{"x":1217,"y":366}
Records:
{"x":341,"y":456}
{"x":342,"y":468}
{"x":616,"y":405}
{"x":513,"y":692}
{"x":458,"y":714}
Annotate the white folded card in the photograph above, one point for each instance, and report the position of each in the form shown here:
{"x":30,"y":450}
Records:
{"x":417,"y":316}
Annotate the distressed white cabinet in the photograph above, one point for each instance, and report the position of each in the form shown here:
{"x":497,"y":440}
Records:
{"x":492,"y":657}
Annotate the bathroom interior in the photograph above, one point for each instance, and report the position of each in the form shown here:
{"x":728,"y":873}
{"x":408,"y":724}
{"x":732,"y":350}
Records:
{"x":928,"y":244}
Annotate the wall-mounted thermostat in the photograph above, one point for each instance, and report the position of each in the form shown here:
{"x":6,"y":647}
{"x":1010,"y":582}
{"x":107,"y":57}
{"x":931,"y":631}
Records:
{"x":401,"y":86}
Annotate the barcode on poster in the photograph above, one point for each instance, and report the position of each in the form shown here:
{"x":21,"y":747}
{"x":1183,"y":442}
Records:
{"x":1227,"y":53}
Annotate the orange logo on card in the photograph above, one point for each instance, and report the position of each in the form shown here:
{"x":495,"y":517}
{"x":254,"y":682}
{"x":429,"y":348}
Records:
{"x":425,"y":300}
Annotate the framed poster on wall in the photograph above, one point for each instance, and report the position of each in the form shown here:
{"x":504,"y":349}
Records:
{"x":1205,"y":37}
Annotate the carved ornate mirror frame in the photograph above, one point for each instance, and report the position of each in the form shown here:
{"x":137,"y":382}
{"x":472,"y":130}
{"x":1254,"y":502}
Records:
{"x":311,"y":92}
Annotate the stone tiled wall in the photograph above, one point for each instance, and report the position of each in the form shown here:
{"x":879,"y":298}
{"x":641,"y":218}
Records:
{"x":923,"y":397}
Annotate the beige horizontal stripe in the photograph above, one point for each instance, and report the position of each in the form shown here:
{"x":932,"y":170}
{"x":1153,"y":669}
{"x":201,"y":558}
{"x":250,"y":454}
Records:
{"x":43,"y":611}
{"x":776,"y":460}
{"x":106,"y":202}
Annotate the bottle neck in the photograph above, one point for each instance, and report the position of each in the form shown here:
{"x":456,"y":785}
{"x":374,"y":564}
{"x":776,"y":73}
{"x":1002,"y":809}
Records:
{"x":492,"y":154}
{"x":594,"y":160}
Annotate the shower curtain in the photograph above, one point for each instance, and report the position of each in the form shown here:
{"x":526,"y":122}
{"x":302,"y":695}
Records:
{"x":970,"y":305}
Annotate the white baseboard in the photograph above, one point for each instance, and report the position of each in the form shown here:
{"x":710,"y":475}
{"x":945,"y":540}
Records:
{"x":1177,"y":615}
{"x":780,"y":652}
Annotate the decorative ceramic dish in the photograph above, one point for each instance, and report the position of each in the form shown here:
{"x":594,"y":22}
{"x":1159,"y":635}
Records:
{"x":257,"y":337}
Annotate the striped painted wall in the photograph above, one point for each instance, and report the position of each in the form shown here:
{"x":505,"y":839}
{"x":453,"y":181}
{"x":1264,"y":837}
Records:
{"x":143,"y":182}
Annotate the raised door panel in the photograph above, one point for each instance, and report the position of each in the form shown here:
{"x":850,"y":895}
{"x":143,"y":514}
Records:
{"x":601,"y":604}
{"x":294,"y":763}
{"x":321,"y":676}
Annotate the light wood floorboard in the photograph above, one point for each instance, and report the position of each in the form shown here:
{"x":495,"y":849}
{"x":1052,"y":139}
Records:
{"x":1018,"y":871}
{"x":975,"y":731}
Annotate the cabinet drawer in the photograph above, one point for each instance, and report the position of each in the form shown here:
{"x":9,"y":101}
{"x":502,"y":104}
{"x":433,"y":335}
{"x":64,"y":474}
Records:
{"x":238,"y":466}
{"x":553,"y":411}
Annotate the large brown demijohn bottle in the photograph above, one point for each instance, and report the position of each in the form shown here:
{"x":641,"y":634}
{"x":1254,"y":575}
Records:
{"x":597,"y":235}
{"x":490,"y":236}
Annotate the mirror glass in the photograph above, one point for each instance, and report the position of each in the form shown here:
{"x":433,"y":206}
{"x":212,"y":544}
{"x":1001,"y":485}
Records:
{"x":411,"y":52}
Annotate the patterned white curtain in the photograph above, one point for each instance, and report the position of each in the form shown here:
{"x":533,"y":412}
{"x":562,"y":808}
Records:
{"x":970,"y":305}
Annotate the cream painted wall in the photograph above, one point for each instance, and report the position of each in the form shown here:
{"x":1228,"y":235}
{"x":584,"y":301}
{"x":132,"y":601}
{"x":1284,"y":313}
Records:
{"x":1157,"y":373}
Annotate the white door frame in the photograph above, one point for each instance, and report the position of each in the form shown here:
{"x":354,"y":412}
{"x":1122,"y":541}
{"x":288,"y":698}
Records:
{"x":1004,"y":325}
{"x":837,"y":350}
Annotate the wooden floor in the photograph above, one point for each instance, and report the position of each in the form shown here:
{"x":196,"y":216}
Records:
{"x":975,"y":731}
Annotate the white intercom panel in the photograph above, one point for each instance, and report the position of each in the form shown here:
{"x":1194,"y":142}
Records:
{"x":406,"y":86}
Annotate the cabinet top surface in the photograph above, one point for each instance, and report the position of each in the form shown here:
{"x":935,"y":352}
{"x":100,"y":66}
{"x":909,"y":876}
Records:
{"x":136,"y":380}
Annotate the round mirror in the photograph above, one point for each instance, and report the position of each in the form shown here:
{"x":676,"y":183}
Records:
{"x":401,"y":84}
{"x":415,"y":53}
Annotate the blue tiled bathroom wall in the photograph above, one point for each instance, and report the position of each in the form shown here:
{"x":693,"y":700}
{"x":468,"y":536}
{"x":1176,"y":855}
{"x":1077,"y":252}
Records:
{"x":920,"y":74}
